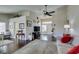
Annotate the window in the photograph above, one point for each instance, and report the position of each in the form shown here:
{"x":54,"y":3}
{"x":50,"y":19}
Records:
{"x":45,"y":25}
{"x":44,"y":28}
{"x":2,"y":27}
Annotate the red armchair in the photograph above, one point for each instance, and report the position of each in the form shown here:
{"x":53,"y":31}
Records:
{"x":74,"y":50}
{"x":66,"y":38}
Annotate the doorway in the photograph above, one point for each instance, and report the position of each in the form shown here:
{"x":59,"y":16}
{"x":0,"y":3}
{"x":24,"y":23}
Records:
{"x":46,"y":28}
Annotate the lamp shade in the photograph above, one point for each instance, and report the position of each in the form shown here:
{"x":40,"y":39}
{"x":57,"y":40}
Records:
{"x":66,"y":26}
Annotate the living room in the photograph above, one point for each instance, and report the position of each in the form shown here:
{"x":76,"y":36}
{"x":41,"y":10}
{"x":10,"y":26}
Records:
{"x":38,"y":29}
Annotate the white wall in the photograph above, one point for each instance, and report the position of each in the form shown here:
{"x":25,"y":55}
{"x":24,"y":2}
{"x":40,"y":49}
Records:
{"x":14,"y":25}
{"x":29,"y":15}
{"x":73,"y":16}
{"x":59,"y":18}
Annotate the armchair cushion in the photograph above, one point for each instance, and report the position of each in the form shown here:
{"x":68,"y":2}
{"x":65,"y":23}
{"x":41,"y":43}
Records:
{"x":66,"y":38}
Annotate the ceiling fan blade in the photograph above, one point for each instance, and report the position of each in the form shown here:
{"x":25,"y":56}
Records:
{"x":45,"y":12}
{"x":48,"y":14}
{"x":52,"y":12}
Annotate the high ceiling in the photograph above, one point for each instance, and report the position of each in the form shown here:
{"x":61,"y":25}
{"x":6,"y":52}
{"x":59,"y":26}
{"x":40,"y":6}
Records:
{"x":9,"y":9}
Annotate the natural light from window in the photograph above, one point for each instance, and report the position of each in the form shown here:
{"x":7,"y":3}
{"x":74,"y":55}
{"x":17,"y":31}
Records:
{"x":44,"y":28}
{"x":2,"y":27}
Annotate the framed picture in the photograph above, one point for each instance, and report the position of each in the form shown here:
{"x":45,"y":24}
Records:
{"x":29,"y":23}
{"x":21,"y":26}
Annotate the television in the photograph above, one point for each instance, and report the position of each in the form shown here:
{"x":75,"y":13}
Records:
{"x":36,"y":28}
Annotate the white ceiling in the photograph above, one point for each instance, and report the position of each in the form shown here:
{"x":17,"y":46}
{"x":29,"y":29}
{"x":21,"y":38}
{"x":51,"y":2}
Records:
{"x":9,"y":9}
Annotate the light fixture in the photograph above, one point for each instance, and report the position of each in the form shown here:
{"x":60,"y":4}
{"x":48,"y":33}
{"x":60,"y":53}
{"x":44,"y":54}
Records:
{"x":67,"y":26}
{"x":49,"y":22}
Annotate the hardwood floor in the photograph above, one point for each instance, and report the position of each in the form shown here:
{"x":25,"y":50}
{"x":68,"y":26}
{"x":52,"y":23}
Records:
{"x":38,"y":47}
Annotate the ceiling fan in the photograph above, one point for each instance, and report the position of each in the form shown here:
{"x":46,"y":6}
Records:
{"x":45,"y":12}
